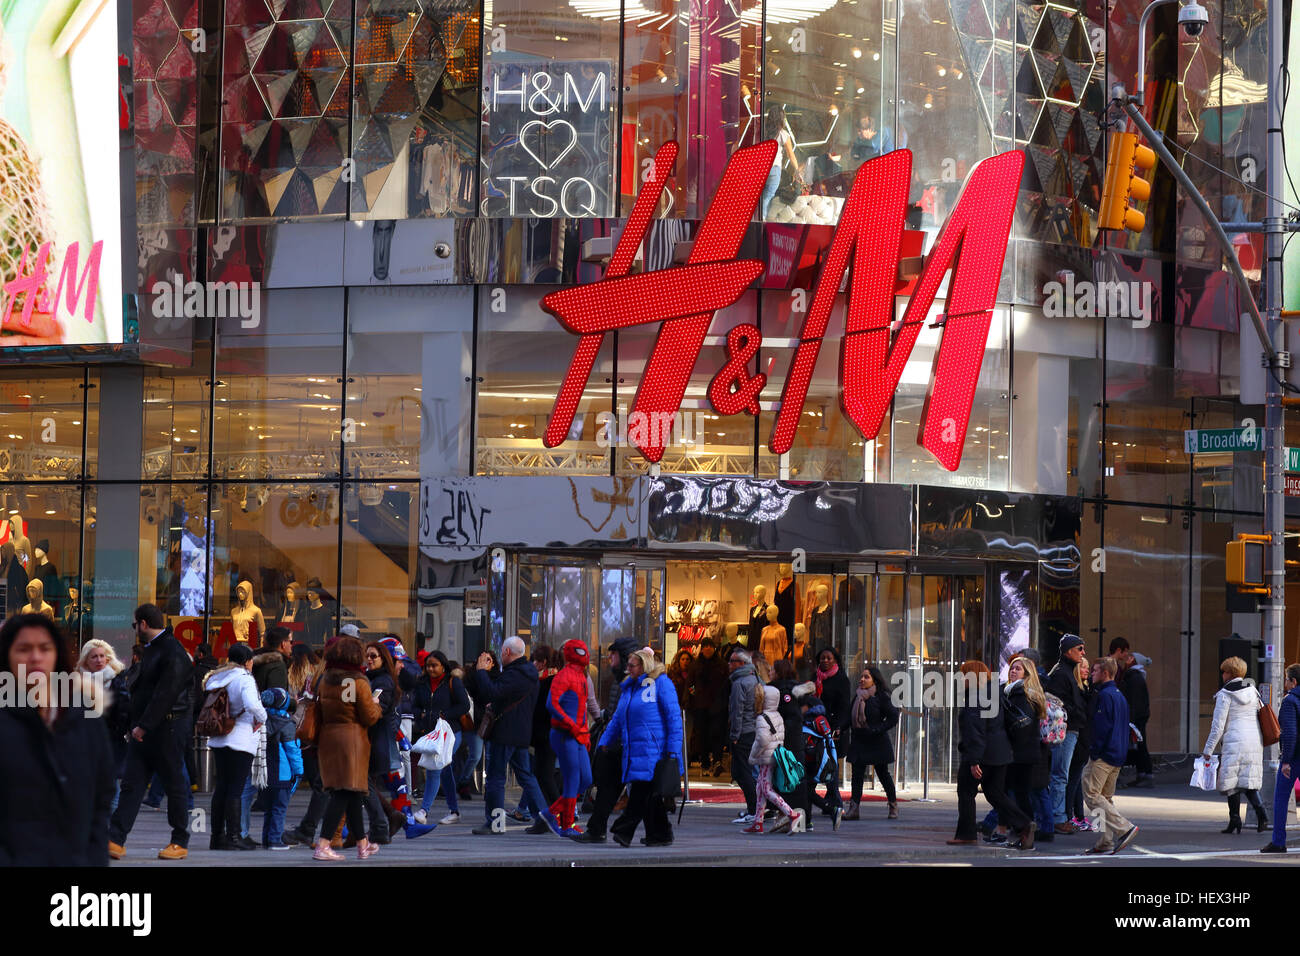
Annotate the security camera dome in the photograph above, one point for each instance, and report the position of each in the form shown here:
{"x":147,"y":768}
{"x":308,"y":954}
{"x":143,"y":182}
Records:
{"x":1193,"y":18}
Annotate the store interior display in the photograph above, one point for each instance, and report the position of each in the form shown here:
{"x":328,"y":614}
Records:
{"x":291,"y":613}
{"x":774,"y":644}
{"x":70,"y":616}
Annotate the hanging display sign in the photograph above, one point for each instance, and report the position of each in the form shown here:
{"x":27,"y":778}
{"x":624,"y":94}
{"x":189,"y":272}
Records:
{"x":875,"y":347}
{"x":548,"y":139}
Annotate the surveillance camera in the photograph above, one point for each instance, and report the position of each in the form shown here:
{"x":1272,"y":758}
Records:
{"x":1193,"y":17}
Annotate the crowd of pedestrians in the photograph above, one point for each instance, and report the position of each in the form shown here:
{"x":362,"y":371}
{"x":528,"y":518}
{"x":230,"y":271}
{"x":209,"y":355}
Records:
{"x":1041,"y":746}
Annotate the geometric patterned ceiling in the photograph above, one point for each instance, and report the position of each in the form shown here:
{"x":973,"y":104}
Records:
{"x":1039,"y":89}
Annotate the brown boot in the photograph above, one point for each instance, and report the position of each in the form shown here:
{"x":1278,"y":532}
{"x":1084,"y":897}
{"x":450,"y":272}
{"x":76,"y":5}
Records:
{"x":852,"y":812}
{"x":893,"y":809}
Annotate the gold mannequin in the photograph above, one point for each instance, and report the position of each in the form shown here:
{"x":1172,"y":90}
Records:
{"x":774,"y":643}
{"x":246,"y":613}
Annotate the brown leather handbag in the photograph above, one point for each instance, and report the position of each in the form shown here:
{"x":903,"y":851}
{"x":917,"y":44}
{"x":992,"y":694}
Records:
{"x":1270,"y":731}
{"x":309,"y":728}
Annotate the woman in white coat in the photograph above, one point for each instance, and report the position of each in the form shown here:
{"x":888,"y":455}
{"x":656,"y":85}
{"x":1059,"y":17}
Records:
{"x":232,"y":753}
{"x":769,"y":733}
{"x":1236,"y":727}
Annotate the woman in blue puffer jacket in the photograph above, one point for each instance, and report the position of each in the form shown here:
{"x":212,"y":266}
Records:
{"x":648,"y":723}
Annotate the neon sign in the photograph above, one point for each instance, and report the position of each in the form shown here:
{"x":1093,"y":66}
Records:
{"x":876,"y":347}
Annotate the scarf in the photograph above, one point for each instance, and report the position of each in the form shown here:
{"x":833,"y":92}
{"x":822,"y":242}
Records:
{"x":822,"y":675}
{"x":258,"y":777}
{"x":860,"y":708}
{"x":435,"y":683}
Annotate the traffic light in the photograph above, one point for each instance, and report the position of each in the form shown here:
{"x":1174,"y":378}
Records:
{"x":1245,"y":563}
{"x":1126,"y":162}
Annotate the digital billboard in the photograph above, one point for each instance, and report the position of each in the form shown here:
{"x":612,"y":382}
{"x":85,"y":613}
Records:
{"x":60,"y":260}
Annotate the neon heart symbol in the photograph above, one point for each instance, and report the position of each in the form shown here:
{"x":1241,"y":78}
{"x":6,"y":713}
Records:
{"x":547,"y":128}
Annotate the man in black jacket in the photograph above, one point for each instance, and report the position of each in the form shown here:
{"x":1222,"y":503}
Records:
{"x":1061,"y":682}
{"x":511,"y":694}
{"x":161,"y":704}
{"x":1132,"y":683}
{"x":271,"y":664}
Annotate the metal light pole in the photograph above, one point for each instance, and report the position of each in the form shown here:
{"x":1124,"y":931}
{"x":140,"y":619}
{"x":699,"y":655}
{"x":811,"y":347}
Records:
{"x":1269,"y":327}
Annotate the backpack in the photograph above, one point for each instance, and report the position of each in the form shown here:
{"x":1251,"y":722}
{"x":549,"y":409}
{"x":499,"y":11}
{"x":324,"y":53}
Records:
{"x":1052,"y":727}
{"x":787,"y":771}
{"x":215,"y":719}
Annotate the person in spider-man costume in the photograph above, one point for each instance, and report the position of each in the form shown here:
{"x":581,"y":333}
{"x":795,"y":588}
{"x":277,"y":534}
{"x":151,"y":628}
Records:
{"x":567,"y":703}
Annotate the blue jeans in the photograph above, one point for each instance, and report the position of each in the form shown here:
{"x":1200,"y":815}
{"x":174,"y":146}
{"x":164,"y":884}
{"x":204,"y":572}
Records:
{"x":1062,"y":754}
{"x":769,"y":190}
{"x":473,"y":754}
{"x":518,"y":759}
{"x":1041,"y":801}
{"x":273,"y":822}
{"x":445,"y":780}
{"x":246,"y":805}
{"x":1281,"y":794}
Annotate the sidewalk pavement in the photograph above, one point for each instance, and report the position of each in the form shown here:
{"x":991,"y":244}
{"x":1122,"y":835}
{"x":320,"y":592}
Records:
{"x":1178,"y":825}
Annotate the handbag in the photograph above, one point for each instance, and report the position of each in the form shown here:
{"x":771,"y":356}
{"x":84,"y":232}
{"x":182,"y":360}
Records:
{"x":309,"y":726}
{"x":1205,"y":774}
{"x":1270,"y":731}
{"x":466,"y":722}
{"x":488,"y":722}
{"x":667,"y":781}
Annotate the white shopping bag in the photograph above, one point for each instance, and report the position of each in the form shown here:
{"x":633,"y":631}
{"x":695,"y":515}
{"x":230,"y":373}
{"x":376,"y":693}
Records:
{"x":1205,"y":773}
{"x":437,"y":747}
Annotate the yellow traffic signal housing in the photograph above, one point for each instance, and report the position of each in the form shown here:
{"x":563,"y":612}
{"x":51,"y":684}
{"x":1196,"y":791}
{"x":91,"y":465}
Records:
{"x":1126,"y":163}
{"x":1245,"y":563}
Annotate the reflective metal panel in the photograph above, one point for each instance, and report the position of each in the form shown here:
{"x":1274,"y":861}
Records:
{"x":971,"y":523}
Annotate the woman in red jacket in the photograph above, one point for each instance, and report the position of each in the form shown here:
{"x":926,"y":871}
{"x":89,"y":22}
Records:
{"x":567,"y":702}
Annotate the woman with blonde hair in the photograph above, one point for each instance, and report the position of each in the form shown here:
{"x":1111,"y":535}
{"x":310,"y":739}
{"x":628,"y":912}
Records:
{"x":1031,"y":764}
{"x":98,"y":657}
{"x":1235,"y":728}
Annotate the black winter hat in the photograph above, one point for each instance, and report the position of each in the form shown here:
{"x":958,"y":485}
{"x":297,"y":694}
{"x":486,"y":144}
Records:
{"x":1070,"y":641}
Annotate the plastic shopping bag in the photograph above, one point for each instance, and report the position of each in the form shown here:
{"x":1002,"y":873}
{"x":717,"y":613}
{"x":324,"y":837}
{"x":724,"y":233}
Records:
{"x":1205,"y":773}
{"x":437,"y":747}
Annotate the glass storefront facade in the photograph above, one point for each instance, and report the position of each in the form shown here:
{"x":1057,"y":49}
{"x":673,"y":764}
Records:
{"x":405,"y":181}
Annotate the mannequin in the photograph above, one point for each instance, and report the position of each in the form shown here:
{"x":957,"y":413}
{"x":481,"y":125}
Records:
{"x":245,"y":613}
{"x":785,"y":599}
{"x":15,"y":578}
{"x":758,"y":610}
{"x":773,"y":644}
{"x":22,"y":545}
{"x":36,"y":599}
{"x":318,"y":615}
{"x":819,"y":618}
{"x":800,"y":643}
{"x":70,"y":619}
{"x":44,"y":568}
{"x":292,"y":605}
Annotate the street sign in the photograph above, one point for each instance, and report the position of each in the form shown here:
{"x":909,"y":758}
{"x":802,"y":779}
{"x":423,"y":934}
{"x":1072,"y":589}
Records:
{"x":1293,"y":459}
{"x":1200,"y":440}
{"x":1293,"y":486}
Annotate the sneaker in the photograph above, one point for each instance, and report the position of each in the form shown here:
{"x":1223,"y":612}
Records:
{"x":1126,"y":839}
{"x":1273,"y":848}
{"x":1097,"y":850}
{"x":449,"y":819}
{"x":116,"y":850}
{"x":1081,"y":825}
{"x":755,"y":827}
{"x":420,"y":817}
{"x":323,"y":852}
{"x":173,"y":851}
{"x":280,"y":846}
{"x":590,"y":837}
{"x":520,"y":816}
{"x":743,"y":817}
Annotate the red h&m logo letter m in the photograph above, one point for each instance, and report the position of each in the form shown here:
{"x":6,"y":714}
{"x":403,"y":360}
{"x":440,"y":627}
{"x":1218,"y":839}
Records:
{"x":973,"y":243}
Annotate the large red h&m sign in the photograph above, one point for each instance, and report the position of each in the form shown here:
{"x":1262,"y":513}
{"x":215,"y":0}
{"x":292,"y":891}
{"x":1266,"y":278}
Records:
{"x":876,"y":347}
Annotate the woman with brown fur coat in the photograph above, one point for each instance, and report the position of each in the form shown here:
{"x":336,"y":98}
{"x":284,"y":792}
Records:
{"x":347,"y":709}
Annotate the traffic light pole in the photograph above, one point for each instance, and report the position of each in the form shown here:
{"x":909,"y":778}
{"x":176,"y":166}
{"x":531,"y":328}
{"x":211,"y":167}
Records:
{"x":1270,"y":332}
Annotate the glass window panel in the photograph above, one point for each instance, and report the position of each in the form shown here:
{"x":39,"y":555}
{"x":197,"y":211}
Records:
{"x":550,"y":98}
{"x":273,"y":535}
{"x":414,"y":129}
{"x":284,"y":122}
{"x":45,"y":518}
{"x":176,"y":420}
{"x":41,"y":424}
{"x":278,"y":407}
{"x":380,"y":559}
{"x":522,"y":357}
{"x":826,"y":66}
{"x":1147,"y":410}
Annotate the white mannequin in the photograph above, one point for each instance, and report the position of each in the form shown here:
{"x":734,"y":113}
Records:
{"x":245,"y":613}
{"x":800,"y":642}
{"x":758,"y":610}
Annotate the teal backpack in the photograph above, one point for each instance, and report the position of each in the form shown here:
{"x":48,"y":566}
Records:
{"x":787,"y":769}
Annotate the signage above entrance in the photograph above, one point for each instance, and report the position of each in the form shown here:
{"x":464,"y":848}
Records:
{"x":876,"y":346}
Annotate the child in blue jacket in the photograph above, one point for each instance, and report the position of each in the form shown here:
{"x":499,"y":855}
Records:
{"x":283,"y":765}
